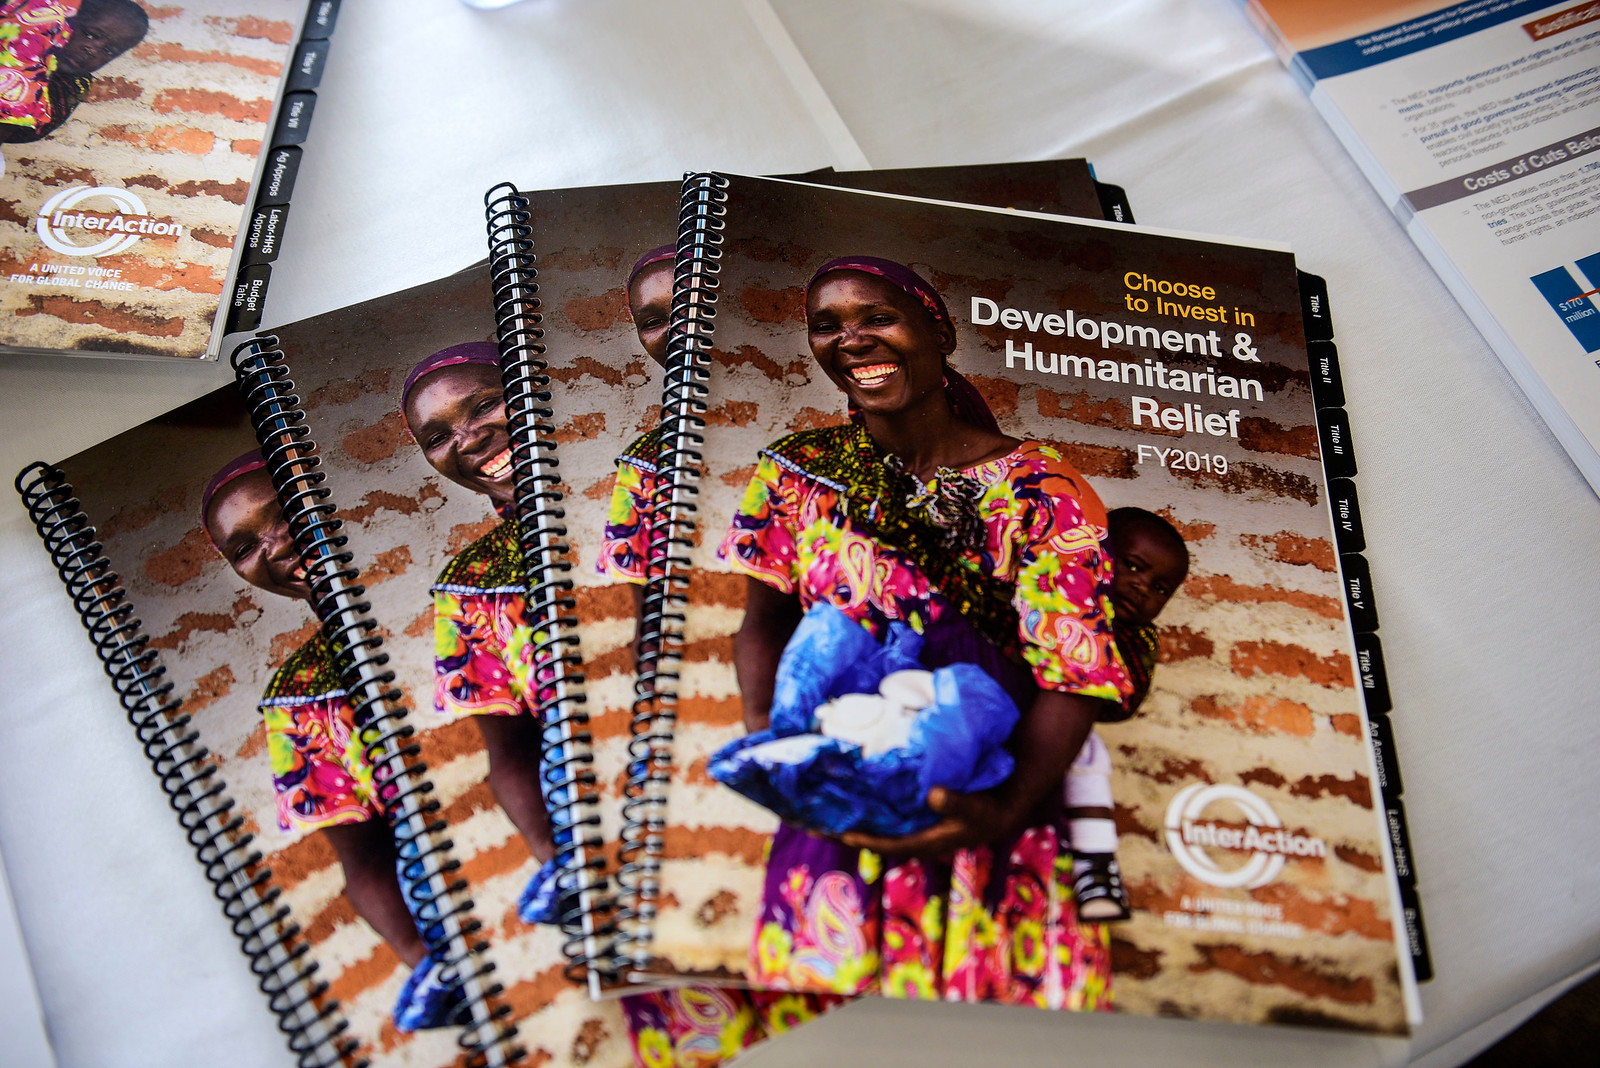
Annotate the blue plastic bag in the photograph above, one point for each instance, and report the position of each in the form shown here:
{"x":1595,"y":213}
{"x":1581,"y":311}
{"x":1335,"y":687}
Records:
{"x":831,"y":654}
{"x":826,"y":784}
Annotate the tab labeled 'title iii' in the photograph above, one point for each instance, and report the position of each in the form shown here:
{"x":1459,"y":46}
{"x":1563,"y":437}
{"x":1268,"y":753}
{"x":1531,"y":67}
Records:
{"x":1338,"y":454}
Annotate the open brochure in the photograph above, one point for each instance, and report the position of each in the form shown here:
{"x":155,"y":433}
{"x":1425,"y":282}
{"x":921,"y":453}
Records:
{"x":1476,"y":123}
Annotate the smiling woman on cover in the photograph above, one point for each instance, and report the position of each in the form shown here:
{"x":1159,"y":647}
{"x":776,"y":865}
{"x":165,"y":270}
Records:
{"x":321,"y":777}
{"x":919,"y":510}
{"x":484,"y":647}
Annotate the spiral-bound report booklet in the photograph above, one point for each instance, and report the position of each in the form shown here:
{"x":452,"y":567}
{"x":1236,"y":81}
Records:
{"x":311,"y":591}
{"x":240,"y":660}
{"x":1008,"y":652}
{"x":147,"y":155}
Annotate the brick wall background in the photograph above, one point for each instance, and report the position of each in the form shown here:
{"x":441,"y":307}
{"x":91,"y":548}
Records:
{"x":406,"y":522}
{"x":1255,"y":687}
{"x":221,"y":639}
{"x":179,"y":122}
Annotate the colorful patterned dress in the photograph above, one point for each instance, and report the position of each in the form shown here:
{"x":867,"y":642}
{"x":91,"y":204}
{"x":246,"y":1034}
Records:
{"x":624,"y":544}
{"x":319,"y":773}
{"x":696,"y":1026}
{"x":1023,"y":591}
{"x":484,"y":647}
{"x":31,"y":33}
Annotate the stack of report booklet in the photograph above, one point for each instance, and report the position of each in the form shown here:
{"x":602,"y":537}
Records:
{"x":740,"y":596}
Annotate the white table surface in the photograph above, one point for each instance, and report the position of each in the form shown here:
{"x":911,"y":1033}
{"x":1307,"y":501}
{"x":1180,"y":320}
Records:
{"x":1481,"y":534}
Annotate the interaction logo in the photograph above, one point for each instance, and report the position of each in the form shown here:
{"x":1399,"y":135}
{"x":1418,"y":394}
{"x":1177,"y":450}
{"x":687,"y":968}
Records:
{"x":78,"y":212}
{"x":1262,"y":840}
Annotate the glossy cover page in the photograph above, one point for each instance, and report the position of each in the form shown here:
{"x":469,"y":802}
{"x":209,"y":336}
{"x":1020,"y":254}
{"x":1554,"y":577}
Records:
{"x":130,"y":133}
{"x":1013,"y":607}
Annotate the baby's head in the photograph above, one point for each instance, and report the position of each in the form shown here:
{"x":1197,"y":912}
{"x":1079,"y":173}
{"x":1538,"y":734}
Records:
{"x":650,"y":299}
{"x":101,"y":31}
{"x":1149,"y":561}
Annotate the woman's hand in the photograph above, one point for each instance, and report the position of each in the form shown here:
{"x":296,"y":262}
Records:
{"x":1044,"y":743}
{"x":968,"y":820}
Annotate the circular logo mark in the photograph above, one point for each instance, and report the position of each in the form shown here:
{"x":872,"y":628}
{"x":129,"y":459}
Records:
{"x":123,"y":225}
{"x":1265,"y":841}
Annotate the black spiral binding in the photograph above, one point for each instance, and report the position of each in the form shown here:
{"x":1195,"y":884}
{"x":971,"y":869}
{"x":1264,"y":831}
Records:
{"x":428,"y":872}
{"x":672,"y":525}
{"x":315,"y":1028}
{"x":567,"y":755}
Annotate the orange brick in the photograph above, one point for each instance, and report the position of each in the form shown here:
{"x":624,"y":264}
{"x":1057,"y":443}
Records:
{"x":1282,"y":658}
{"x":598,"y":312}
{"x":1287,"y":547}
{"x":180,"y":139}
{"x":211,"y":102}
{"x":732,"y":413}
{"x":1260,"y":715}
{"x":774,"y":305}
{"x":171,"y":52}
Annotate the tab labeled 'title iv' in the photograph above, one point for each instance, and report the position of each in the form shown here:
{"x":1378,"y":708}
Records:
{"x":320,"y":20}
{"x":1346,"y":515}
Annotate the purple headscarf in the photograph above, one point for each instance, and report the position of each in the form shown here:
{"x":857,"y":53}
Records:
{"x":655,"y":255}
{"x":234,"y":468}
{"x":485,"y":352}
{"x":965,"y":400}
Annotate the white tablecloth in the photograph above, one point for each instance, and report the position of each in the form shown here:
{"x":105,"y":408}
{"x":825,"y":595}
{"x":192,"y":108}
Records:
{"x":1480,"y":532}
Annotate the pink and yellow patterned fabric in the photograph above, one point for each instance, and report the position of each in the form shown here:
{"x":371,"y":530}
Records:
{"x":319,"y":772}
{"x":624,"y":544}
{"x":994,"y":923}
{"x":484,"y":646}
{"x":1043,"y":527}
{"x":702,"y":1026}
{"x":31,"y":32}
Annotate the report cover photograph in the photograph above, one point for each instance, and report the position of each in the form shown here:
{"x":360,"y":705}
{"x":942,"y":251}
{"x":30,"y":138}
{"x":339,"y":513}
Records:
{"x":1014,"y":664}
{"x":404,"y":397}
{"x":129,"y":134}
{"x":185,"y":509}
